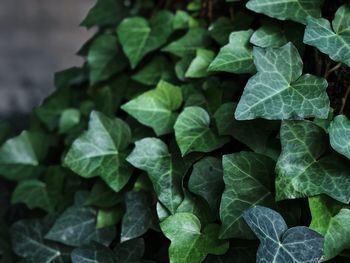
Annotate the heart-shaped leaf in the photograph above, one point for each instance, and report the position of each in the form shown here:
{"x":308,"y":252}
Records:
{"x":279,"y":90}
{"x":278,"y":244}
{"x":189,"y":242}
{"x":139,"y":37}
{"x":302,"y":168}
{"x":331,"y":219}
{"x":156,"y":108}
{"x":164,"y":169}
{"x":296,"y":10}
{"x":236,"y":56}
{"x":333,"y":40}
{"x":101,"y":151}
{"x":193,"y":132}
{"x":199,"y":65}
{"x":339,"y":134}
{"x":248,"y":181}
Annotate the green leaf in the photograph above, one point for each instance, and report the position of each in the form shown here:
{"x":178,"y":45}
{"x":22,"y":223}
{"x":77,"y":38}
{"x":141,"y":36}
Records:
{"x":189,"y":242}
{"x":105,"y":58}
{"x":273,"y":34}
{"x":101,"y":151}
{"x":158,"y":68}
{"x":103,"y":196}
{"x":93,"y":253}
{"x":130,"y":251}
{"x":333,"y":40}
{"x":339,"y":135}
{"x":156,"y":108}
{"x":199,"y":65}
{"x":235,"y":255}
{"x":193,"y":132}
{"x":253,"y":133}
{"x":303,"y":168}
{"x":296,"y":10}
{"x":28,"y":239}
{"x":76,"y":226}
{"x":34,"y":194}
{"x":138,"y":217}
{"x":109,"y":217}
{"x":236,"y":56}
{"x":249,"y":181}
{"x":139,"y":37}
{"x":187,"y":45}
{"x":206,"y":180}
{"x":279,"y":244}
{"x":279,"y":90}
{"x":105,"y":13}
{"x":331,"y":220}
{"x":69,"y":118}
{"x":21,"y":156}
{"x":165,"y":170}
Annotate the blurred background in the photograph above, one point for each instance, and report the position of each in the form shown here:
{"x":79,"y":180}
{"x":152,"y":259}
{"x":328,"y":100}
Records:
{"x":37,"y":38}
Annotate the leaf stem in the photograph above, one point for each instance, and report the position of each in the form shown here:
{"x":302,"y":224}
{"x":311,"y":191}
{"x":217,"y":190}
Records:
{"x":329,"y":71}
{"x":344,"y":100}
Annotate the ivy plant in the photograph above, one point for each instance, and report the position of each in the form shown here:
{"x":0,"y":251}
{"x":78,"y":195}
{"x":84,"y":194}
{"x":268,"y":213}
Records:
{"x":194,"y":131}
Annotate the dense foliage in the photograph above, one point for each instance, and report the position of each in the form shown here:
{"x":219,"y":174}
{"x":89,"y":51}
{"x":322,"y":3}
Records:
{"x":203,"y":131}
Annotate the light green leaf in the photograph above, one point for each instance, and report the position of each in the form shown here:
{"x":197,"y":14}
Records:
{"x":189,"y":242}
{"x":76,"y":226}
{"x":193,"y":132}
{"x":109,"y":216}
{"x":105,"y":13}
{"x":236,"y":56}
{"x":339,"y":134}
{"x":333,"y":40}
{"x":206,"y":180}
{"x":279,"y":90}
{"x":296,"y":10}
{"x":181,"y":20}
{"x":304,"y":170}
{"x":331,"y":221}
{"x":29,"y":243}
{"x":158,"y":68}
{"x":138,"y":217}
{"x":21,"y":156}
{"x":156,"y":108}
{"x":101,"y":151}
{"x":253,"y":133}
{"x":69,"y":118}
{"x":93,"y":253}
{"x":199,"y":65}
{"x":34,"y":194}
{"x":249,"y":181}
{"x":105,"y":58}
{"x":187,"y":45}
{"x":139,"y":37}
{"x":164,"y":169}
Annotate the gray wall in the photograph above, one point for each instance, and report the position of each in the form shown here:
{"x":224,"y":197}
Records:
{"x":37,"y":38}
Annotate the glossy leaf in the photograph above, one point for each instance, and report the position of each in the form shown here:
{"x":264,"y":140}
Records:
{"x":189,"y":242}
{"x":331,"y":220}
{"x":199,"y":65}
{"x":193,"y":132}
{"x":331,"y":39}
{"x":236,"y":56}
{"x":139,"y":37}
{"x":278,"y":244}
{"x":339,"y":134}
{"x":101,"y":150}
{"x":279,"y":90}
{"x":296,"y":10}
{"x":303,"y":168}
{"x":156,"y":108}
{"x":248,"y":181}
{"x":163,"y":168}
